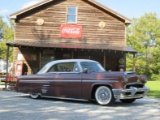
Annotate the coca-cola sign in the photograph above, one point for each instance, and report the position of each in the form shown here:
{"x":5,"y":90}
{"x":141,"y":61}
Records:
{"x":71,"y":31}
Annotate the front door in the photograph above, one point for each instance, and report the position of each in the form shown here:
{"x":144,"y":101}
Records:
{"x":66,"y":81}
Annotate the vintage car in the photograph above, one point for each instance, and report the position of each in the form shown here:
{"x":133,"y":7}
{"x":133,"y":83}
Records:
{"x":82,"y":79}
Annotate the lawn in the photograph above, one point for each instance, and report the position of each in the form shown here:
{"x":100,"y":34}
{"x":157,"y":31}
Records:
{"x":154,"y":89}
{"x":2,"y":83}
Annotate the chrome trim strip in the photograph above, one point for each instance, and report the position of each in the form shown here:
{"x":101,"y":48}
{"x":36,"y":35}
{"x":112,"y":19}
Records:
{"x":47,"y":81}
{"x":62,"y":98}
{"x":46,"y":85}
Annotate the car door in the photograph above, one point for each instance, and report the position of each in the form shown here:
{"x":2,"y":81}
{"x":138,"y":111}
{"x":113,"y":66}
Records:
{"x":67,"y":81}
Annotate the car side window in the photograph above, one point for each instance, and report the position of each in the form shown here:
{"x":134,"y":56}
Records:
{"x":76,"y":68}
{"x":64,"y":67}
{"x":91,"y":66}
{"x":53,"y":69}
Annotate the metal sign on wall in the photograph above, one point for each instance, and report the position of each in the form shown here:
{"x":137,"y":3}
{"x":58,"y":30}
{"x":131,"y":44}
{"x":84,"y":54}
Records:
{"x":71,"y":31}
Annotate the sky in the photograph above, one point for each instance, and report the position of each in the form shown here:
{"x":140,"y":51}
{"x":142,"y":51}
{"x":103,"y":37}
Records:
{"x":128,"y":8}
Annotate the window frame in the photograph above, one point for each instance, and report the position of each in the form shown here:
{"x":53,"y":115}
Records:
{"x":76,"y":14}
{"x":60,"y":65}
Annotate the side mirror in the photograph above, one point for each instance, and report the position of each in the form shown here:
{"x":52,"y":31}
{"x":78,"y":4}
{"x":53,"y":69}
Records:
{"x":85,"y":70}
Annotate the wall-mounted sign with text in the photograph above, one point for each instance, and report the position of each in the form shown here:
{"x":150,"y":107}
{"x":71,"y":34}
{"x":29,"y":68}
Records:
{"x":71,"y":31}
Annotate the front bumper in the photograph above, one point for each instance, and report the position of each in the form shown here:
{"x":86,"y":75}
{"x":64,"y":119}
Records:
{"x":130,"y":93}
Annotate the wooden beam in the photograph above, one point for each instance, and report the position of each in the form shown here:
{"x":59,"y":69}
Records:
{"x":134,"y":62}
{"x":7,"y":56}
{"x":72,"y":54}
{"x":104,"y":60}
{"x":40,"y":58}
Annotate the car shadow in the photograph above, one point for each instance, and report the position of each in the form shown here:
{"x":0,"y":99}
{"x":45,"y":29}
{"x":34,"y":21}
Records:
{"x":115,"y":104}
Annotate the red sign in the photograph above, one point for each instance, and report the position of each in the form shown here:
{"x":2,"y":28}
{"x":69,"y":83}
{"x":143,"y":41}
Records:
{"x":18,"y":68}
{"x":71,"y":31}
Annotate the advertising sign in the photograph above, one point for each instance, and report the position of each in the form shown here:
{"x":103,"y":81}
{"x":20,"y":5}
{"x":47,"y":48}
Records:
{"x":71,"y":31}
{"x":18,"y":68}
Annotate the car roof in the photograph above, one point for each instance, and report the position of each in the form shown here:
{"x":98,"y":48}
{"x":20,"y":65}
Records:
{"x":69,"y":60}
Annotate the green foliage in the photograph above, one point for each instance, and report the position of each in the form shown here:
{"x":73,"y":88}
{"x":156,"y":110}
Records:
{"x":155,"y":77}
{"x":129,"y":60}
{"x":143,"y":35}
{"x":2,"y":26}
{"x":154,"y":89}
{"x":6,"y":34}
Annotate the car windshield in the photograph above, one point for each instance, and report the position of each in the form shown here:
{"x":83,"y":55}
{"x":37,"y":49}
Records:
{"x":92,"y":66}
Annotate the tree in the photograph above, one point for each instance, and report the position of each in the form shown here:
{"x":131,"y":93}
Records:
{"x":143,"y":35}
{"x":2,"y":26}
{"x":6,"y":34}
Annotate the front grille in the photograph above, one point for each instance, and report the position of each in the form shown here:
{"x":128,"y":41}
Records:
{"x":128,"y":93}
{"x":135,"y":85}
{"x":139,"y":93}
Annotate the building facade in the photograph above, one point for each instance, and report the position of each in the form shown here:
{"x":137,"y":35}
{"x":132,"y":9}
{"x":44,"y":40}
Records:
{"x":64,"y":29}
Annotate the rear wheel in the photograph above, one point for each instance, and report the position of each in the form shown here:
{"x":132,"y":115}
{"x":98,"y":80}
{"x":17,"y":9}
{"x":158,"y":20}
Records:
{"x":127,"y":100}
{"x":35,"y":95}
{"x":104,"y":95}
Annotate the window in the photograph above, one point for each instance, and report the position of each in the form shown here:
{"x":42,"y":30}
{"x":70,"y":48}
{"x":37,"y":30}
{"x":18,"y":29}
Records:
{"x":92,"y":66}
{"x":64,"y":67}
{"x":71,"y":15}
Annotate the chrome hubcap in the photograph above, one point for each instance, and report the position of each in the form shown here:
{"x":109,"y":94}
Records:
{"x":103,"y":95}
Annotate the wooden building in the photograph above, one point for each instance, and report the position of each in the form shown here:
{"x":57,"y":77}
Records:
{"x":63,"y":29}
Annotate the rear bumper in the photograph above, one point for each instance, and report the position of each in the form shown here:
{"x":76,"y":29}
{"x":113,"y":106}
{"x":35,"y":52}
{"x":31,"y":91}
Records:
{"x":130,"y":93}
{"x":12,"y":88}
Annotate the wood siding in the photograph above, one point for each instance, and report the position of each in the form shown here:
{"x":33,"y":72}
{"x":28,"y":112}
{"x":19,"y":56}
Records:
{"x":54,"y":16}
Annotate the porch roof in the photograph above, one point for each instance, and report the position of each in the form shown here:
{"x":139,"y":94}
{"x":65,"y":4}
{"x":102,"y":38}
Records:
{"x":52,"y":44}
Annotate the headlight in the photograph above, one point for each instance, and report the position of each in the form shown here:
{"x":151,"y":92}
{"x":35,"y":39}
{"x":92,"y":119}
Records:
{"x":125,"y":78}
{"x":142,"y":79}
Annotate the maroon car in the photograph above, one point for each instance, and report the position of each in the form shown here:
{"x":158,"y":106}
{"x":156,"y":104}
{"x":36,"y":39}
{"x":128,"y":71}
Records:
{"x":82,"y":79}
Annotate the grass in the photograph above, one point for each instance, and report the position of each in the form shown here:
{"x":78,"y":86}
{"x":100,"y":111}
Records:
{"x":154,"y":89}
{"x":2,"y":83}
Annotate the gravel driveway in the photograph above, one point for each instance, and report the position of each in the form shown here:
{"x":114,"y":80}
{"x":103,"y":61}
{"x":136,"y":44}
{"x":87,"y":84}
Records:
{"x":17,"y":106}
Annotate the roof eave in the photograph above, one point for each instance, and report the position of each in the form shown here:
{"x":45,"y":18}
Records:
{"x":14,"y":15}
{"x":127,"y":20}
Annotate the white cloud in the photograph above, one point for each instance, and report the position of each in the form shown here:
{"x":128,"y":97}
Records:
{"x":32,"y":2}
{"x":4,"y":11}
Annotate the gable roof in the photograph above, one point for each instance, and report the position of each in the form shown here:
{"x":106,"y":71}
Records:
{"x":93,"y":2}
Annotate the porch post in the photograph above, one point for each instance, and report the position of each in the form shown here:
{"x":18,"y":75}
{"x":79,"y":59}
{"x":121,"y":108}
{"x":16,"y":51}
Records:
{"x":72,"y":54}
{"x":134,"y":62}
{"x":104,"y":60}
{"x":40,"y":58}
{"x":7,"y":56}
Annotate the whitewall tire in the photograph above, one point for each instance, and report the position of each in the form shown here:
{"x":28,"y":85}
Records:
{"x":35,"y":95}
{"x":104,"y":95}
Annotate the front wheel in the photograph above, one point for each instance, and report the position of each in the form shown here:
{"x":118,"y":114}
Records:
{"x":104,"y":95}
{"x":35,"y":95}
{"x":127,"y":100}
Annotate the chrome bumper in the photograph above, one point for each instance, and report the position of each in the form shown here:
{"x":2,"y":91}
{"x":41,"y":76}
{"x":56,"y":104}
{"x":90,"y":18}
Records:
{"x":12,"y":88}
{"x":130,"y":93}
